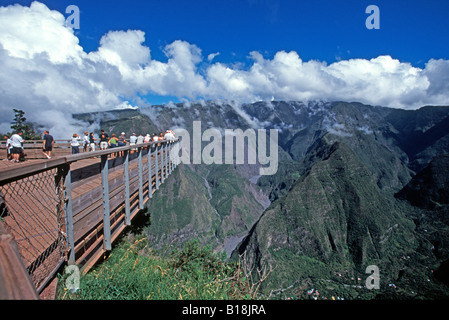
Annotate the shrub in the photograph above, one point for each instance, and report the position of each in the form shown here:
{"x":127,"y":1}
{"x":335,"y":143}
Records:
{"x":132,"y":272}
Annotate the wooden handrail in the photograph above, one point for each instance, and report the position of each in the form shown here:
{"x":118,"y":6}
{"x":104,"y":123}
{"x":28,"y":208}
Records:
{"x":15,"y":282}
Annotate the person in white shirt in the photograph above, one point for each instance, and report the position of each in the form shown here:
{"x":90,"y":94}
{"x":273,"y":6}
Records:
{"x":16,"y":146}
{"x":85,"y":141}
{"x":169,"y":135}
{"x":75,"y":143}
{"x":133,"y":141}
{"x":140,"y":139}
{"x":8,"y":147}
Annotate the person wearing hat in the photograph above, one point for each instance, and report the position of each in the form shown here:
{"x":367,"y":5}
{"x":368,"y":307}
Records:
{"x":75,"y":143}
{"x":169,"y":135}
{"x":121,"y":142}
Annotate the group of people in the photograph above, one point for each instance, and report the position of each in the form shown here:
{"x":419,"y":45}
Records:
{"x":87,"y":142}
{"x":105,"y":142}
{"x":15,"y":151}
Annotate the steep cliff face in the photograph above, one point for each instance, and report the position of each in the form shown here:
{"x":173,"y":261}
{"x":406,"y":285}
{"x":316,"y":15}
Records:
{"x":180,"y":211}
{"x":334,"y":217}
{"x":214,"y":205}
{"x":428,"y":197}
{"x":429,"y":189}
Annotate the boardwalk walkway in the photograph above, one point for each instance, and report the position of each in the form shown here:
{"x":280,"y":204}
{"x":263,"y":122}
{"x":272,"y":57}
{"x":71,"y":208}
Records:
{"x":63,"y":211}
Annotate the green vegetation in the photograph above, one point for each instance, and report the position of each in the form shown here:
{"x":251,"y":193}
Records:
{"x":133,"y":271}
{"x":20,"y":123}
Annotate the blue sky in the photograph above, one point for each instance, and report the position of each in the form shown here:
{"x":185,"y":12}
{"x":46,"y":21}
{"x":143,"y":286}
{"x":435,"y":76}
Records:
{"x":412,"y":31}
{"x":140,"y":53}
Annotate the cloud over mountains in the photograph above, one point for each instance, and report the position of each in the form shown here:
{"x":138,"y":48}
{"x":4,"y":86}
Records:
{"x":45,"y":71}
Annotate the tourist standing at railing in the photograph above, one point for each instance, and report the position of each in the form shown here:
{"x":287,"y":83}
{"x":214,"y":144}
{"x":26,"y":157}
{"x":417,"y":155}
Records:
{"x":85,"y":141}
{"x":169,"y":135}
{"x":8,"y":147}
{"x":121,"y":142}
{"x":140,"y":139}
{"x":133,"y":141}
{"x":92,"y":142}
{"x":104,"y":140}
{"x":75,"y":143}
{"x":17,"y":146}
{"x":160,"y":138}
{"x":113,"y":143}
{"x":48,"y":144}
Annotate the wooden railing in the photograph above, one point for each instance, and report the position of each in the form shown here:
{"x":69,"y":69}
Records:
{"x":97,"y":196}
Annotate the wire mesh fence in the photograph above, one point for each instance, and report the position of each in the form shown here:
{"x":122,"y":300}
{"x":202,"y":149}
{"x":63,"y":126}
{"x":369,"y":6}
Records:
{"x":32,"y":211}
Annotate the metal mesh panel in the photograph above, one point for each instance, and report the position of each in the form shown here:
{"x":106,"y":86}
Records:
{"x":32,"y":211}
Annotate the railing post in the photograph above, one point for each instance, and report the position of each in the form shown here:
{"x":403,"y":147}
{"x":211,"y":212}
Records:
{"x":175,"y":154}
{"x":171,"y":157}
{"x":162,"y":163}
{"x":106,"y":212}
{"x":157,"y":167}
{"x":167,"y":159}
{"x":150,"y":175}
{"x":65,"y":174}
{"x":139,"y":162}
{"x":127,"y":195}
{"x":178,"y":159}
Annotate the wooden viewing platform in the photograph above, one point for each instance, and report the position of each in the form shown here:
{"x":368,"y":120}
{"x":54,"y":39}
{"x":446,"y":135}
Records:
{"x":70,"y":209}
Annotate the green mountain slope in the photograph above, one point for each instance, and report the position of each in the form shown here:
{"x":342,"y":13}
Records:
{"x":214,"y":205}
{"x":334,"y":220}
